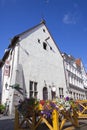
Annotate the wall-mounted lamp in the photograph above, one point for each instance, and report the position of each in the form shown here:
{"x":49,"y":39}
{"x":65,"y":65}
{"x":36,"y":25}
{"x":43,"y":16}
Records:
{"x":53,"y":88}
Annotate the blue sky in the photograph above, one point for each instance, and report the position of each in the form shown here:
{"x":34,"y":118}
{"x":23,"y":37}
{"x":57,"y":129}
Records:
{"x":65,"y":19}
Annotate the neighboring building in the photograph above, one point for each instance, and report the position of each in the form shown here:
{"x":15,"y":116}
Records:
{"x":84,"y":75}
{"x":33,"y":67}
{"x":74,"y":77}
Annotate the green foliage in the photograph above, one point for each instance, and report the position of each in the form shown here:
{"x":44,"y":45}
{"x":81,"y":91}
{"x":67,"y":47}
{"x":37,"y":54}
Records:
{"x":28,"y":106}
{"x":2,"y":108}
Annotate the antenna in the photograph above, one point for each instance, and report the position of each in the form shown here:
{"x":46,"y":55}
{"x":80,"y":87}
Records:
{"x":43,"y":19}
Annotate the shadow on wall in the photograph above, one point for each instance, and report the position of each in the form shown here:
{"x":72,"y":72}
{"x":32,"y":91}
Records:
{"x":21,"y":80}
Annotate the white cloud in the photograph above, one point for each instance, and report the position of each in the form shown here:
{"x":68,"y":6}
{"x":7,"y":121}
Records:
{"x":69,"y":19}
{"x":72,"y":17}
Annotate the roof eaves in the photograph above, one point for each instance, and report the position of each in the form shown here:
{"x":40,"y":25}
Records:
{"x":53,"y":38}
{"x":16,"y":38}
{"x":4,"y":58}
{"x":13,"y":42}
{"x":42,"y":22}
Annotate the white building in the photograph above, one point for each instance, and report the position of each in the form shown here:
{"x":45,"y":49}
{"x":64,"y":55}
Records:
{"x":33,"y":67}
{"x":84,"y":76}
{"x":74,"y":77}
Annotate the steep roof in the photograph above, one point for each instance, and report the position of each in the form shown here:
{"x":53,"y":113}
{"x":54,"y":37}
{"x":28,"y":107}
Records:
{"x":78,"y":62}
{"x":15,"y":39}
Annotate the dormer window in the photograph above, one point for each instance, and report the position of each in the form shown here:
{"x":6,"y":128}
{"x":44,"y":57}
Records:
{"x":44,"y":46}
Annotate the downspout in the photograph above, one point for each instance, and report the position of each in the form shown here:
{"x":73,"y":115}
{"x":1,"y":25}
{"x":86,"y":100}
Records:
{"x":67,"y":84}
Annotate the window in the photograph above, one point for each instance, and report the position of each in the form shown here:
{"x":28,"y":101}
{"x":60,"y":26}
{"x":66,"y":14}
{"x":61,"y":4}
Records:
{"x":43,"y":30}
{"x":77,"y":96}
{"x":7,"y":86}
{"x":9,"y":70}
{"x":50,"y":48}
{"x":31,"y":85}
{"x":33,"y":89}
{"x":61,"y":92}
{"x":35,"y":86}
{"x":45,"y":93}
{"x":74,"y":95}
{"x":44,"y":46}
{"x":38,"y":40}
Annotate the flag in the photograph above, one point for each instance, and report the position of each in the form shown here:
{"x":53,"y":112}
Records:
{"x":7,"y":68}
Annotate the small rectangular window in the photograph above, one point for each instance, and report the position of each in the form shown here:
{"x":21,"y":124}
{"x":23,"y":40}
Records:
{"x":9,"y":70}
{"x":33,"y":89}
{"x":31,"y":85}
{"x":31,"y":94}
{"x":61,"y":92}
{"x":35,"y":86}
{"x":44,"y":46}
{"x":38,"y":40}
{"x":43,"y":30}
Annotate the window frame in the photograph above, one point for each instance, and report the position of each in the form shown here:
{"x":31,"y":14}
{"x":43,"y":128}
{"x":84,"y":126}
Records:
{"x":33,"y":89}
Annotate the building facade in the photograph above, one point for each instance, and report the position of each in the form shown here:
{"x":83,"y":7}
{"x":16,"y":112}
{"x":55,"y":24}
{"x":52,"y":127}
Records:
{"x":33,"y":67}
{"x":75,"y":74}
{"x":84,"y":76}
